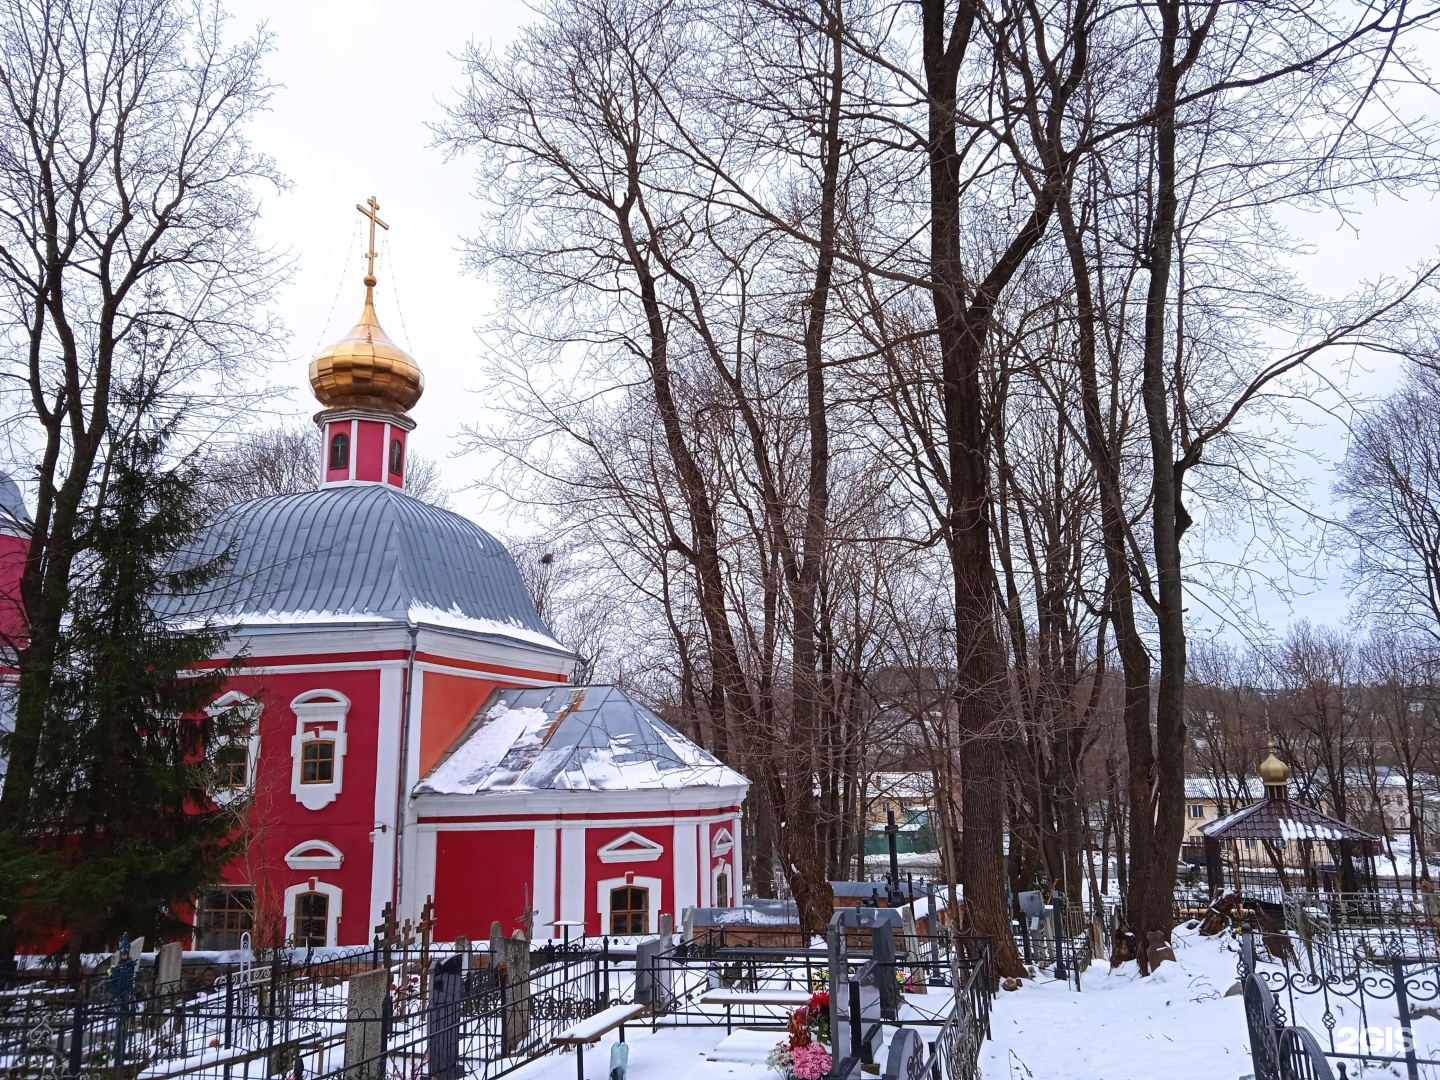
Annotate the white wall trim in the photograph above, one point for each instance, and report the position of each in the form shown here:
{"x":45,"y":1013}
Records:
{"x":602,"y":898}
{"x":632,"y":847}
{"x":722,"y":867}
{"x":229,"y":700}
{"x":721,"y":842}
{"x":543,"y":876}
{"x":332,"y":928}
{"x":319,"y":717}
{"x":314,"y":855}
{"x":387,"y":780}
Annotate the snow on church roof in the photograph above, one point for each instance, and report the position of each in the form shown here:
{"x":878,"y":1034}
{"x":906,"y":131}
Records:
{"x":572,"y":738}
{"x":360,"y":553}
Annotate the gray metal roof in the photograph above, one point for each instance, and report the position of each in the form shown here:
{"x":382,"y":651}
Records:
{"x":364,"y":552}
{"x":572,"y":738}
{"x":12,"y":505}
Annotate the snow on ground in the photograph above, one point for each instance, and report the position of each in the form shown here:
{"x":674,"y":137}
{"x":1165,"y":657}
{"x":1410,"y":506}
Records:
{"x":1122,"y":1027}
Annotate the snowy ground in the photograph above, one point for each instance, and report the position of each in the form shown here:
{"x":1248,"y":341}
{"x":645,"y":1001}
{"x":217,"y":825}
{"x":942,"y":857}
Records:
{"x":1120,"y":1027}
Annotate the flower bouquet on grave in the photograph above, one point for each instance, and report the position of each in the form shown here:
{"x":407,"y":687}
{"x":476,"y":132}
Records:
{"x":803,"y":1056}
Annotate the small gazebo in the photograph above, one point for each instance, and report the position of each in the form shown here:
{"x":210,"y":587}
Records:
{"x":1274,"y":823}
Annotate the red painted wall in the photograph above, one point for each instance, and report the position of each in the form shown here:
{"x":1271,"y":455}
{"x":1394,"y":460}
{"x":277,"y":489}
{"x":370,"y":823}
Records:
{"x":278,"y":821}
{"x":597,"y":871}
{"x":12,"y":564}
{"x":370,"y":450}
{"x":480,"y":878}
{"x":447,"y":704}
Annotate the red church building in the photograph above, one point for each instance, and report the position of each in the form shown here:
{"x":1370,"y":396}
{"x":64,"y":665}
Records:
{"x":415,"y":733}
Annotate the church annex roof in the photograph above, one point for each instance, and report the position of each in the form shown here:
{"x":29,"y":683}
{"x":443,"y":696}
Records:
{"x":572,"y":738}
{"x":362,"y":553}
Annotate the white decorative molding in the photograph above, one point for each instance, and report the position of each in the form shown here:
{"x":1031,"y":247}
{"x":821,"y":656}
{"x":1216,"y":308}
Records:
{"x":250,"y":709}
{"x":602,"y":899}
{"x":716,"y":871}
{"x":332,"y":912}
{"x":319,"y":717}
{"x":314,"y":855}
{"x":721,"y":842}
{"x":632,"y":847}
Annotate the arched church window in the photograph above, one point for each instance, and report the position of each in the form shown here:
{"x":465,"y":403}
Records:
{"x":340,"y":450}
{"x":397,"y":457}
{"x":312,"y":920}
{"x":317,"y":762}
{"x":629,"y":910}
{"x":722,"y":890}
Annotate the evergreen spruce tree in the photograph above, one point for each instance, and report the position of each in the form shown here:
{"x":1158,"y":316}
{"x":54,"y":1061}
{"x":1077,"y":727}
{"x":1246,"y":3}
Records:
{"x":122,"y":832}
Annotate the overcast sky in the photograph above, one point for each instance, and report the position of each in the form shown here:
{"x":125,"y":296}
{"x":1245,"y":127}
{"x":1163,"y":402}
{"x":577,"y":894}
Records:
{"x":362,"y":78}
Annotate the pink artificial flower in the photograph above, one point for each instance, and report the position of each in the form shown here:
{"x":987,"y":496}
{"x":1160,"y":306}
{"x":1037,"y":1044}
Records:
{"x":810,"y":1062}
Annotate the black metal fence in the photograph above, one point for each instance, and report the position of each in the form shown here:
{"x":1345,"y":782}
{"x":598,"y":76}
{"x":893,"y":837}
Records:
{"x":402,"y":1013}
{"x":381,"y":1012}
{"x":1363,"y":982}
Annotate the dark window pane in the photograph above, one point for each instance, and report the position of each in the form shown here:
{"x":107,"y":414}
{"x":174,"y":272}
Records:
{"x":397,"y":456}
{"x":232,"y":767}
{"x":340,"y":451}
{"x":223,"y":916}
{"x":312,"y":919}
{"x":629,"y":910}
{"x":317,"y":762}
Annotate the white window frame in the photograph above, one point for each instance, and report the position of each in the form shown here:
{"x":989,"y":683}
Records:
{"x":332,"y":912}
{"x":722,"y":867}
{"x":632,"y":847}
{"x":602,"y":898}
{"x":319,"y":717}
{"x":721,"y":843}
{"x":225,"y":702}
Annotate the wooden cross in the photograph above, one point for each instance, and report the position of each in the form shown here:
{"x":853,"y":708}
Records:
{"x":386,"y":937}
{"x":426,"y":923}
{"x":407,"y":935}
{"x":527,"y":917}
{"x":371,"y":209}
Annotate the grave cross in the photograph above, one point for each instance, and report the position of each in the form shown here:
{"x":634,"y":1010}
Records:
{"x":386,"y":937}
{"x":425,"y":926}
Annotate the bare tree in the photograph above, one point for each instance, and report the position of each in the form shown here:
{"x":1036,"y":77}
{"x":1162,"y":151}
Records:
{"x":127,"y":263}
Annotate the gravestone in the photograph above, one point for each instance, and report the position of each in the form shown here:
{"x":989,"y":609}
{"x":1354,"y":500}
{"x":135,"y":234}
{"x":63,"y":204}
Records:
{"x":906,"y":1060}
{"x":667,"y":928}
{"x":514,"y":953}
{"x":687,"y":925}
{"x":912,"y":949}
{"x":447,"y":981}
{"x":882,"y":950}
{"x":365,"y":1025}
{"x":167,"y":966}
{"x":653,"y":976}
{"x":835,"y":946}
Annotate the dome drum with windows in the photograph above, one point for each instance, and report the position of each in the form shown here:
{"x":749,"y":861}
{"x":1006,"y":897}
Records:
{"x":367,"y":384}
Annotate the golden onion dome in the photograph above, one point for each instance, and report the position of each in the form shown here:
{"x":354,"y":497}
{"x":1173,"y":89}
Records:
{"x":1273,"y":771}
{"x":365,"y":369}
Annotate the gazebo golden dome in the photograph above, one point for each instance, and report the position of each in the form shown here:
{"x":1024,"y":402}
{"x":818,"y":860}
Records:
{"x":1273,"y":771}
{"x":365,"y":369}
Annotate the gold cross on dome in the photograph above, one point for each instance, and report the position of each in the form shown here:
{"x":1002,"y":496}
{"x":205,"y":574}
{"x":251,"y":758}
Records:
{"x":371,"y":209}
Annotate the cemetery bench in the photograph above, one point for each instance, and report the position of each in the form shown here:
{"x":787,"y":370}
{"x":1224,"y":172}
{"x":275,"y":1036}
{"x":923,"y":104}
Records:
{"x":590,"y":1030}
{"x":787,"y":999}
